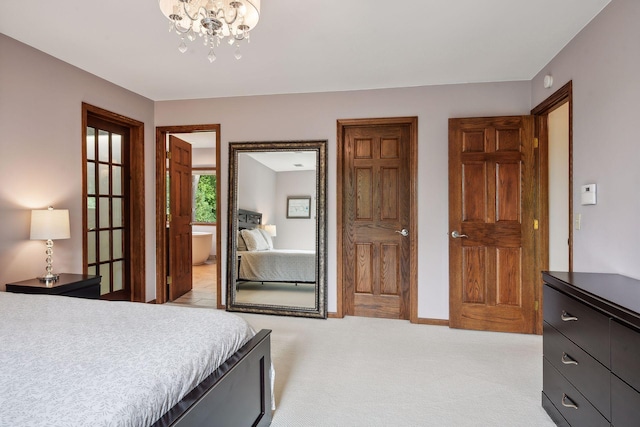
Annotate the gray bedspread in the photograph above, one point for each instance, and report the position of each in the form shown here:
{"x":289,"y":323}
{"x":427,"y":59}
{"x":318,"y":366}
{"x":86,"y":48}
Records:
{"x":278,"y":265}
{"x":73,"y":362}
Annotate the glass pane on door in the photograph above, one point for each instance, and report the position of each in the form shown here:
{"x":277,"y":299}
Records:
{"x":117,"y":276}
{"x":103,"y":146}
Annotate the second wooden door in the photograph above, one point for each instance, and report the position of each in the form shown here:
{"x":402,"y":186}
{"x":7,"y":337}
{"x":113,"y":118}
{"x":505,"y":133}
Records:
{"x":491,"y":218}
{"x":376,"y":220}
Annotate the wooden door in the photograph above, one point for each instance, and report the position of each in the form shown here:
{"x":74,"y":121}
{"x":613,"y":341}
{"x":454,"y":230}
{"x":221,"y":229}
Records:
{"x":180,"y":217}
{"x":491,"y":207}
{"x":107,"y":203}
{"x":376,"y":210}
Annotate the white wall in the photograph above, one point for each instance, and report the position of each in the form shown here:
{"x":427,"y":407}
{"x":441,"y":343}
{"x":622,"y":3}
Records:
{"x":313,"y":116}
{"x":263,"y":190}
{"x":256,"y":188}
{"x":203,"y":157}
{"x":295,"y":233}
{"x":603,"y":62}
{"x":558,"y":125}
{"x":41,"y":156}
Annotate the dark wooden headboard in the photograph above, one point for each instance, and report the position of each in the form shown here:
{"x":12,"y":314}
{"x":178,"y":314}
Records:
{"x":248,"y":219}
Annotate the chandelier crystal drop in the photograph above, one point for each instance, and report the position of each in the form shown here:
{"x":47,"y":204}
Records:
{"x":213,"y":21}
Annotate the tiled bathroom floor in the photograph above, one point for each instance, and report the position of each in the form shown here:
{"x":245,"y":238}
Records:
{"x":204,"y":287}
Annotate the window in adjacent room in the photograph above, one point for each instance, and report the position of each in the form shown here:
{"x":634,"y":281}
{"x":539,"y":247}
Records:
{"x":204,"y":196}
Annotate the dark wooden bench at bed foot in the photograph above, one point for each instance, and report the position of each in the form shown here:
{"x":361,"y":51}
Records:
{"x":238,"y":393}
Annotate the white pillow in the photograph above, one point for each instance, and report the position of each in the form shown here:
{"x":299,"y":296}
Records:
{"x":254,"y":240}
{"x":242,"y":246}
{"x":267,"y":238}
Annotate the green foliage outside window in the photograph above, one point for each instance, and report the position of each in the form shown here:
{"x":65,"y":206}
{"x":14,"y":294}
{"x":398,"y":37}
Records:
{"x":206,"y":199}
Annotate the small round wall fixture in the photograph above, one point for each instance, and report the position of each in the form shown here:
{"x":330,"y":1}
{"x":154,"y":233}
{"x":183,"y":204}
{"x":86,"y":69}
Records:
{"x":548,"y":81}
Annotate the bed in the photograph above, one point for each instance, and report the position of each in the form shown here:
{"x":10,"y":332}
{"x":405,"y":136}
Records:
{"x":76,"y":362}
{"x":277,"y":265}
{"x":258,"y":261}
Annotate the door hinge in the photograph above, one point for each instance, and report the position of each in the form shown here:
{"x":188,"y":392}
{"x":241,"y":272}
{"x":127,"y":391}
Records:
{"x":535,"y":224}
{"x":168,"y":217}
{"x":536,"y":305}
{"x":169,"y":155}
{"x":536,"y":142}
{"x":169,"y":280}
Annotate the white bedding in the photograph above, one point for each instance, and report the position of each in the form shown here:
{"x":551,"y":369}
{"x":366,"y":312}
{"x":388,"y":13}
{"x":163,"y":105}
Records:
{"x":73,"y":362}
{"x":278,"y":265}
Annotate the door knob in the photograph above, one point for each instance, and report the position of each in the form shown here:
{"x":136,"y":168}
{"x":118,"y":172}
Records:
{"x":457,"y":235}
{"x":404,"y":232}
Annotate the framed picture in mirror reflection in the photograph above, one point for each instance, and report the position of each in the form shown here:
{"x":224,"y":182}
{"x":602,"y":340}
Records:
{"x":299,"y":207}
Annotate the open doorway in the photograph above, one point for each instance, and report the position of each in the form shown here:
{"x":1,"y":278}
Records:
{"x":554,"y":129}
{"x":548,"y":210}
{"x":205,"y":143}
{"x":559,"y":174}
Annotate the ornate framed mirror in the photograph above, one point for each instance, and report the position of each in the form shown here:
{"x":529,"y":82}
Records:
{"x":277,"y":228}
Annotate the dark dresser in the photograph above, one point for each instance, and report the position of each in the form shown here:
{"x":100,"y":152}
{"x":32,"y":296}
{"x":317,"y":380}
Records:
{"x":591,"y":346}
{"x":71,"y":285}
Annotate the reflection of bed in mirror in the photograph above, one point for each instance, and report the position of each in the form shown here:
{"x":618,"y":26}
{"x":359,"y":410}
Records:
{"x":258,"y":261}
{"x":262,"y":177}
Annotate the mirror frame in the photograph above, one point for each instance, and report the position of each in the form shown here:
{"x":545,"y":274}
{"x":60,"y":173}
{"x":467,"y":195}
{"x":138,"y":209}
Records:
{"x":320,"y":147}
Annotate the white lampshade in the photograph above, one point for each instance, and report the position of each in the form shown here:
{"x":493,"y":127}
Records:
{"x":271,"y":229}
{"x":50,"y":224}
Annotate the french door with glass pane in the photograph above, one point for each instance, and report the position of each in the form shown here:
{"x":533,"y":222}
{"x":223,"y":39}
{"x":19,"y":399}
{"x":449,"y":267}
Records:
{"x":107,"y":205}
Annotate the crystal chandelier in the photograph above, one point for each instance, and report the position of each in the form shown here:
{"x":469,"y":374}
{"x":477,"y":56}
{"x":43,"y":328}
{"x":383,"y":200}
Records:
{"x":212,"y":20}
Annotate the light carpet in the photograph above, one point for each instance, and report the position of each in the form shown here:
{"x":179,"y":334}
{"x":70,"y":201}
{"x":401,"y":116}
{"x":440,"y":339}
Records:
{"x":378,"y":372}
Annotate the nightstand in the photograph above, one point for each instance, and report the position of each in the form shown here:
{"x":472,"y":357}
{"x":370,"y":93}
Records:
{"x":70,"y":285}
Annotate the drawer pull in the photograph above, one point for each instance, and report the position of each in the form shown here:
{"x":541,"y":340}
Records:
{"x":566,"y":317}
{"x":567,"y":402}
{"x":568,"y":360}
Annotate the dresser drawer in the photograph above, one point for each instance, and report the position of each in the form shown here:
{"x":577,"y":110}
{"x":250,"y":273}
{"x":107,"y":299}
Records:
{"x":625,"y":353}
{"x":562,"y":394}
{"x":581,"y":324}
{"x":625,"y":404}
{"x":583,"y":371}
{"x":553,"y":412}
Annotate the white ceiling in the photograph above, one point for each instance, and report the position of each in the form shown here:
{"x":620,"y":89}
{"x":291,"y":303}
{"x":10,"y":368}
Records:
{"x":305,"y":45}
{"x":278,"y":161}
{"x":198,"y":139}
{"x":282,"y":161}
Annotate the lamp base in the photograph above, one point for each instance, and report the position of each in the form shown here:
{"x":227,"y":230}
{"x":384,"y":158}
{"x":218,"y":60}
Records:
{"x":49,"y":278}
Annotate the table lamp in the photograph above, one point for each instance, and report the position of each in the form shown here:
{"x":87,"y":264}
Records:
{"x":49,"y":224}
{"x":271,"y":229}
